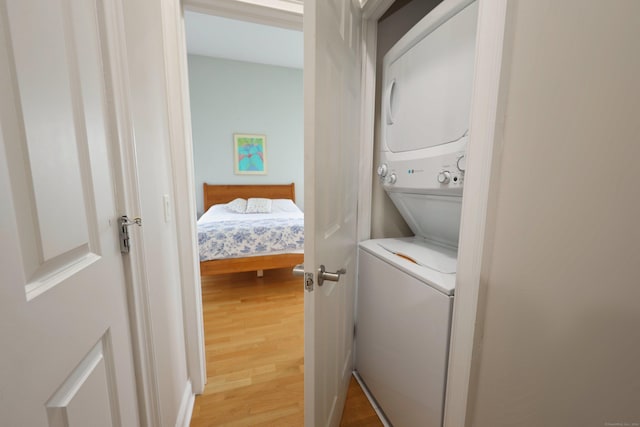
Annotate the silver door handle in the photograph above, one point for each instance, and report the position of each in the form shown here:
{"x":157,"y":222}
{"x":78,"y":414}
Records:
{"x":327,"y":275}
{"x":298,"y":270}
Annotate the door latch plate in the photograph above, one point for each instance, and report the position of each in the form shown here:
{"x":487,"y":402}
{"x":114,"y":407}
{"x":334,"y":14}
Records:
{"x":124,"y":222}
{"x":308,"y":282}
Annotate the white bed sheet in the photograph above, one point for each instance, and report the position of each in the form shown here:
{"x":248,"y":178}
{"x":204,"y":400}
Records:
{"x":225,"y":234}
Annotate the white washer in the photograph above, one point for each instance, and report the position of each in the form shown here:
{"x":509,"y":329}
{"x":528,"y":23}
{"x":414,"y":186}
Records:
{"x":404,"y":319}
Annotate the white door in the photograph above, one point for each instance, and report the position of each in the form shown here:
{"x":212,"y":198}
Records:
{"x":66,"y":357}
{"x":332,"y":119}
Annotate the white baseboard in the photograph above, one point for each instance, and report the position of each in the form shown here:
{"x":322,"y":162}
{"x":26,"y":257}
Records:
{"x":186,"y":407}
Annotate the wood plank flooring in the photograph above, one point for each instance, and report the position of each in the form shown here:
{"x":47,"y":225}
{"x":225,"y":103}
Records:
{"x":254,"y":338}
{"x":357,"y":409}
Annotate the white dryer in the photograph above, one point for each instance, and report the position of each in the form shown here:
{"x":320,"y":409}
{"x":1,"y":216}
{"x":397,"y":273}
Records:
{"x":406,"y":285}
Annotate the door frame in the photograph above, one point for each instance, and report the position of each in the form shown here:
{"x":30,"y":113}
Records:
{"x":275,"y":13}
{"x":284,"y":14}
{"x":129,"y":203}
{"x":485,"y":132}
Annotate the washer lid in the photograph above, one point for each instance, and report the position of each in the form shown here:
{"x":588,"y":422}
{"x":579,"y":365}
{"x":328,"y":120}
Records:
{"x":443,"y":282}
{"x":423,"y":253}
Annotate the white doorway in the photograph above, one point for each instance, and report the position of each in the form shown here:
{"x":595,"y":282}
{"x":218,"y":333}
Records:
{"x":243,"y":77}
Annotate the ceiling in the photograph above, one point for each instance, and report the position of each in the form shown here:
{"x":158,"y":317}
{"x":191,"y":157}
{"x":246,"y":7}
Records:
{"x":218,"y":37}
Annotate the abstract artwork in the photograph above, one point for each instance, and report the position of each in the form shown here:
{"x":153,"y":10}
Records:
{"x":250,"y":154}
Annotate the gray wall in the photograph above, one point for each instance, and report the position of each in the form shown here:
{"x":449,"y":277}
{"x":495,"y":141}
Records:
{"x":230,"y":97}
{"x":561,"y":337}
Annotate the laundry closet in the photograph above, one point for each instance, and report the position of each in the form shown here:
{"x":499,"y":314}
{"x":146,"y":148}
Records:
{"x":407,"y":271}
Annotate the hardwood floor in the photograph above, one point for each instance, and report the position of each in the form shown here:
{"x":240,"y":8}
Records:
{"x":254,"y":339}
{"x":357,"y":409}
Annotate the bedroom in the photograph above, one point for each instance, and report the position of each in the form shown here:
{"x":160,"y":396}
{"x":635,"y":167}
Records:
{"x":246,"y":85}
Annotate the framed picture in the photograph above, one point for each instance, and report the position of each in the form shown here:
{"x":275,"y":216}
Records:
{"x":250,"y":154}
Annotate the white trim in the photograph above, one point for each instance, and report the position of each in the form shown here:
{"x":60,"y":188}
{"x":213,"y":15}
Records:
{"x":181,"y":148}
{"x":367,"y":126}
{"x":484,"y":131}
{"x":277,"y":13}
{"x":128,"y":196}
{"x":186,"y":407}
{"x":308,"y":80}
{"x":372,"y":10}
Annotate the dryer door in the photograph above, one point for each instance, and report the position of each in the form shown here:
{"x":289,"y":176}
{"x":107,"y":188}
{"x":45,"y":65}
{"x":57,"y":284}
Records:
{"x":427,"y":95}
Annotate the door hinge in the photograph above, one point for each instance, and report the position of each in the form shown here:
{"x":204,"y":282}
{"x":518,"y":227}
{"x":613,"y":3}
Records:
{"x":308,"y":282}
{"x":123,"y":230}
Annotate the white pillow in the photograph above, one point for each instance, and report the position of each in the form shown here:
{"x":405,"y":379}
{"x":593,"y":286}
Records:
{"x":284,"y":206}
{"x":237,"y":206}
{"x":258,"y":205}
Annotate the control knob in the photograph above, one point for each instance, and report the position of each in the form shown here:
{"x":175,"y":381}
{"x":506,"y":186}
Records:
{"x":444,"y":177}
{"x":462,"y":163}
{"x":392,"y":178}
{"x":383,"y":169}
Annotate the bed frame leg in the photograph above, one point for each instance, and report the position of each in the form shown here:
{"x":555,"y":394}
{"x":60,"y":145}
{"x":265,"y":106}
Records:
{"x":260,"y":273}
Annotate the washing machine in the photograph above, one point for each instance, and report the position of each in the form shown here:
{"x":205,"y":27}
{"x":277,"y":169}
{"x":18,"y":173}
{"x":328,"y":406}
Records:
{"x":404,"y":319}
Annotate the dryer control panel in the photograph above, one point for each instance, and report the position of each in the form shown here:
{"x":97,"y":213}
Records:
{"x":438,"y":174}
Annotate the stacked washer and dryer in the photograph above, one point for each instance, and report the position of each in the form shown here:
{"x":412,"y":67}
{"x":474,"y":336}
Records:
{"x":406,"y":286}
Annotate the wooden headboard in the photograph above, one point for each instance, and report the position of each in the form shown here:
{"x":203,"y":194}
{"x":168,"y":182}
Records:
{"x":216,"y":194}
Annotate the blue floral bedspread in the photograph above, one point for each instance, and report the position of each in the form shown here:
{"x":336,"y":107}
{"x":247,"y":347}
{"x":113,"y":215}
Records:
{"x":242,"y":238}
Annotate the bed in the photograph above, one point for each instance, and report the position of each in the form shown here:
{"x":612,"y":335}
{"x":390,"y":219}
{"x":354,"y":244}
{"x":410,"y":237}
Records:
{"x":222,"y":194}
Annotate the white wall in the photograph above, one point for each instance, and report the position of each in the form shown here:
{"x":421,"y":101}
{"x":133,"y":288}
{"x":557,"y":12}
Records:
{"x":149,"y":110}
{"x":560,"y":343}
{"x":230,"y":97}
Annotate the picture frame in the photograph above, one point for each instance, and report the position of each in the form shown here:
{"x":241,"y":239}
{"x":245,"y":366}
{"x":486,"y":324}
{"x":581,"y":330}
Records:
{"x":249,"y":154}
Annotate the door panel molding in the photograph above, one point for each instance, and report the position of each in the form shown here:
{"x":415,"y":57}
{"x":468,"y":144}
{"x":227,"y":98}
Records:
{"x":42,"y":85}
{"x":57,"y":270}
{"x":46,"y":265}
{"x":94,"y":375}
